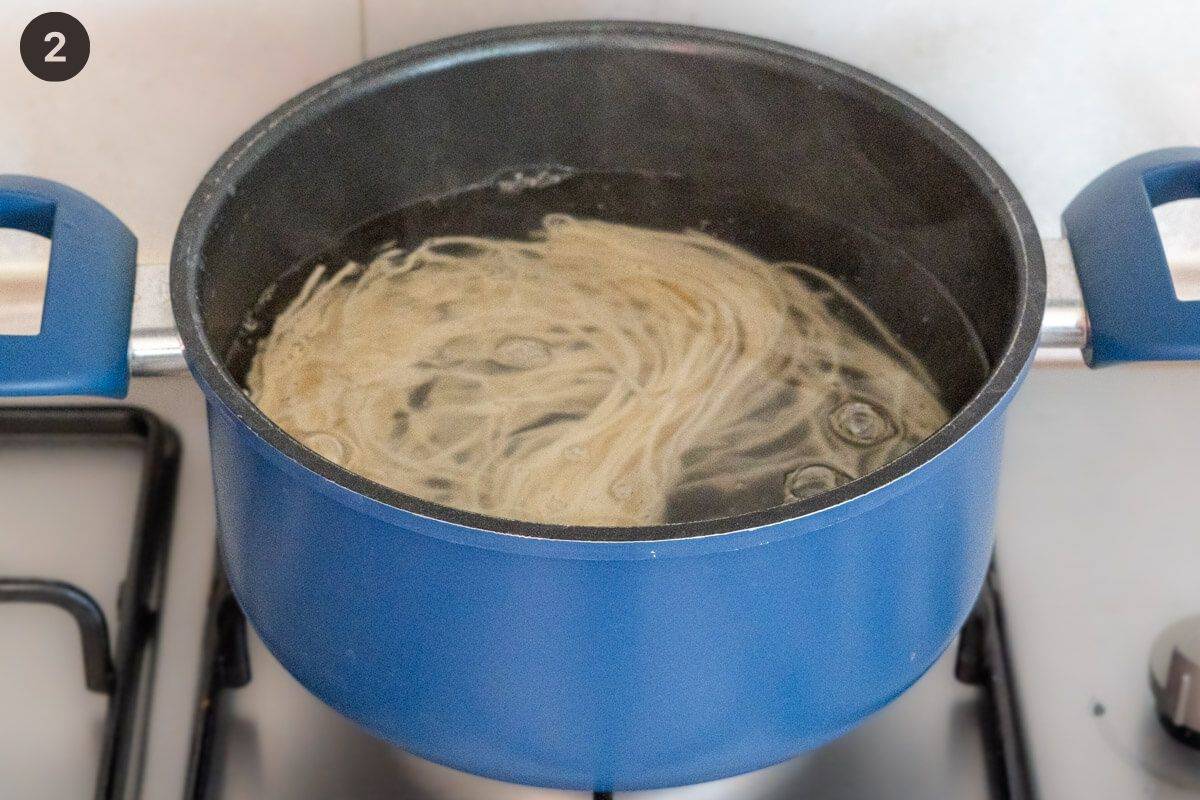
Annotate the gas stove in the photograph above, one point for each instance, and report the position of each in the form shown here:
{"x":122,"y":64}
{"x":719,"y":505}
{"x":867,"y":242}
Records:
{"x":1045,"y":694}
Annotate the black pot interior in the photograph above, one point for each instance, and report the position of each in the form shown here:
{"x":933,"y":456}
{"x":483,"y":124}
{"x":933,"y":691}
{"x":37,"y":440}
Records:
{"x":787,"y":158}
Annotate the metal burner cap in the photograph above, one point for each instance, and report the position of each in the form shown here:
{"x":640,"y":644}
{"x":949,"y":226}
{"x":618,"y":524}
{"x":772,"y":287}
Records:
{"x":1175,"y":679}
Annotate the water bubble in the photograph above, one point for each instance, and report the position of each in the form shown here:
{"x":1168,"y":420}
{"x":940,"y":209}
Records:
{"x":621,"y":489}
{"x":458,"y":349}
{"x":811,"y":481}
{"x":514,"y":181}
{"x":521,"y":352}
{"x":861,"y":423}
{"x":326,"y":445}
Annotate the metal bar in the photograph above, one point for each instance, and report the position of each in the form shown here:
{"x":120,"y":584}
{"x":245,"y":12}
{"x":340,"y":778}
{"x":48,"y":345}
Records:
{"x":1065,"y":324}
{"x":985,"y":660}
{"x":140,"y":592}
{"x":224,"y":665}
{"x":93,"y":630}
{"x":155,"y":348}
{"x":139,"y":599}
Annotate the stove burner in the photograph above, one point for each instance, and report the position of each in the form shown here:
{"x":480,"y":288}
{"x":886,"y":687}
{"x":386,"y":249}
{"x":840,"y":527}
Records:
{"x":1175,"y":680}
{"x":140,"y":592}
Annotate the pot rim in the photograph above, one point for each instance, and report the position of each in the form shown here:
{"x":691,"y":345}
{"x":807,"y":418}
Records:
{"x":221,"y":181}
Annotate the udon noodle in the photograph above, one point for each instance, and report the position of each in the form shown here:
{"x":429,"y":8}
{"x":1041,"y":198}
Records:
{"x":594,"y":374}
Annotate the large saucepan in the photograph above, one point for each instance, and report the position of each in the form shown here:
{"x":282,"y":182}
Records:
{"x":623,"y":658}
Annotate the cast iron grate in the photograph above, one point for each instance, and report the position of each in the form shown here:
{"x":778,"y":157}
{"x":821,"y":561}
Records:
{"x":117,"y":670}
{"x":983,"y":660}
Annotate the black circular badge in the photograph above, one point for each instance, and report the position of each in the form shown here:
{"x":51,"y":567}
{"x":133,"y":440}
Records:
{"x":55,"y":46}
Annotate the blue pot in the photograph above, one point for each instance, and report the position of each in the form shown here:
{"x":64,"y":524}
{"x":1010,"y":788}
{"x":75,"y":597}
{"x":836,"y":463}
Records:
{"x":617,"y":658}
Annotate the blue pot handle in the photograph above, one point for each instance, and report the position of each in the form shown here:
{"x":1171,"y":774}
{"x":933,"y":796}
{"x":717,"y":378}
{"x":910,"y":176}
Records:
{"x":1127,"y":289}
{"x":83,"y":346}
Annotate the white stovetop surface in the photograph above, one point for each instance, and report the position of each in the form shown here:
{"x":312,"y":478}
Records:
{"x":1099,"y":550}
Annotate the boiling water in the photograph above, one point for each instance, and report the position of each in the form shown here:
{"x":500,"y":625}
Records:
{"x":585,"y":373}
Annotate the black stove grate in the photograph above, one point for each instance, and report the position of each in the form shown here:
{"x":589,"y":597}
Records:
{"x":225,"y":664}
{"x":117,"y":672}
{"x":983,"y":660}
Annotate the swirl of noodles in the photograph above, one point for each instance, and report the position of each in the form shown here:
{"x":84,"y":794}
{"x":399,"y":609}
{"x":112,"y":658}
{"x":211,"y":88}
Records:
{"x":590,"y":375}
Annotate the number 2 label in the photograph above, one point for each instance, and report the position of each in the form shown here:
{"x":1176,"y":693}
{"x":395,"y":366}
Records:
{"x":54,"y":46}
{"x":55,"y":36}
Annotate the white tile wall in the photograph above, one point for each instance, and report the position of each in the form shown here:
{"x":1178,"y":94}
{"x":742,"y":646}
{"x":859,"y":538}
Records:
{"x":168,"y":86}
{"x":1056,"y":90}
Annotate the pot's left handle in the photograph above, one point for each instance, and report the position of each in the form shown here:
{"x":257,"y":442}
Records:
{"x":83,"y":345}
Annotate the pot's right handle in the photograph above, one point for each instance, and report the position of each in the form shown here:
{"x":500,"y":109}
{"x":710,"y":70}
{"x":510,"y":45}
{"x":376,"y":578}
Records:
{"x":1133,"y":311}
{"x":83,"y":344}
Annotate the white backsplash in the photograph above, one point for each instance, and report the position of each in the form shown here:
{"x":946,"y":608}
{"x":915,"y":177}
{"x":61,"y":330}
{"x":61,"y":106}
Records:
{"x":1056,"y":91}
{"x":168,"y":86}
